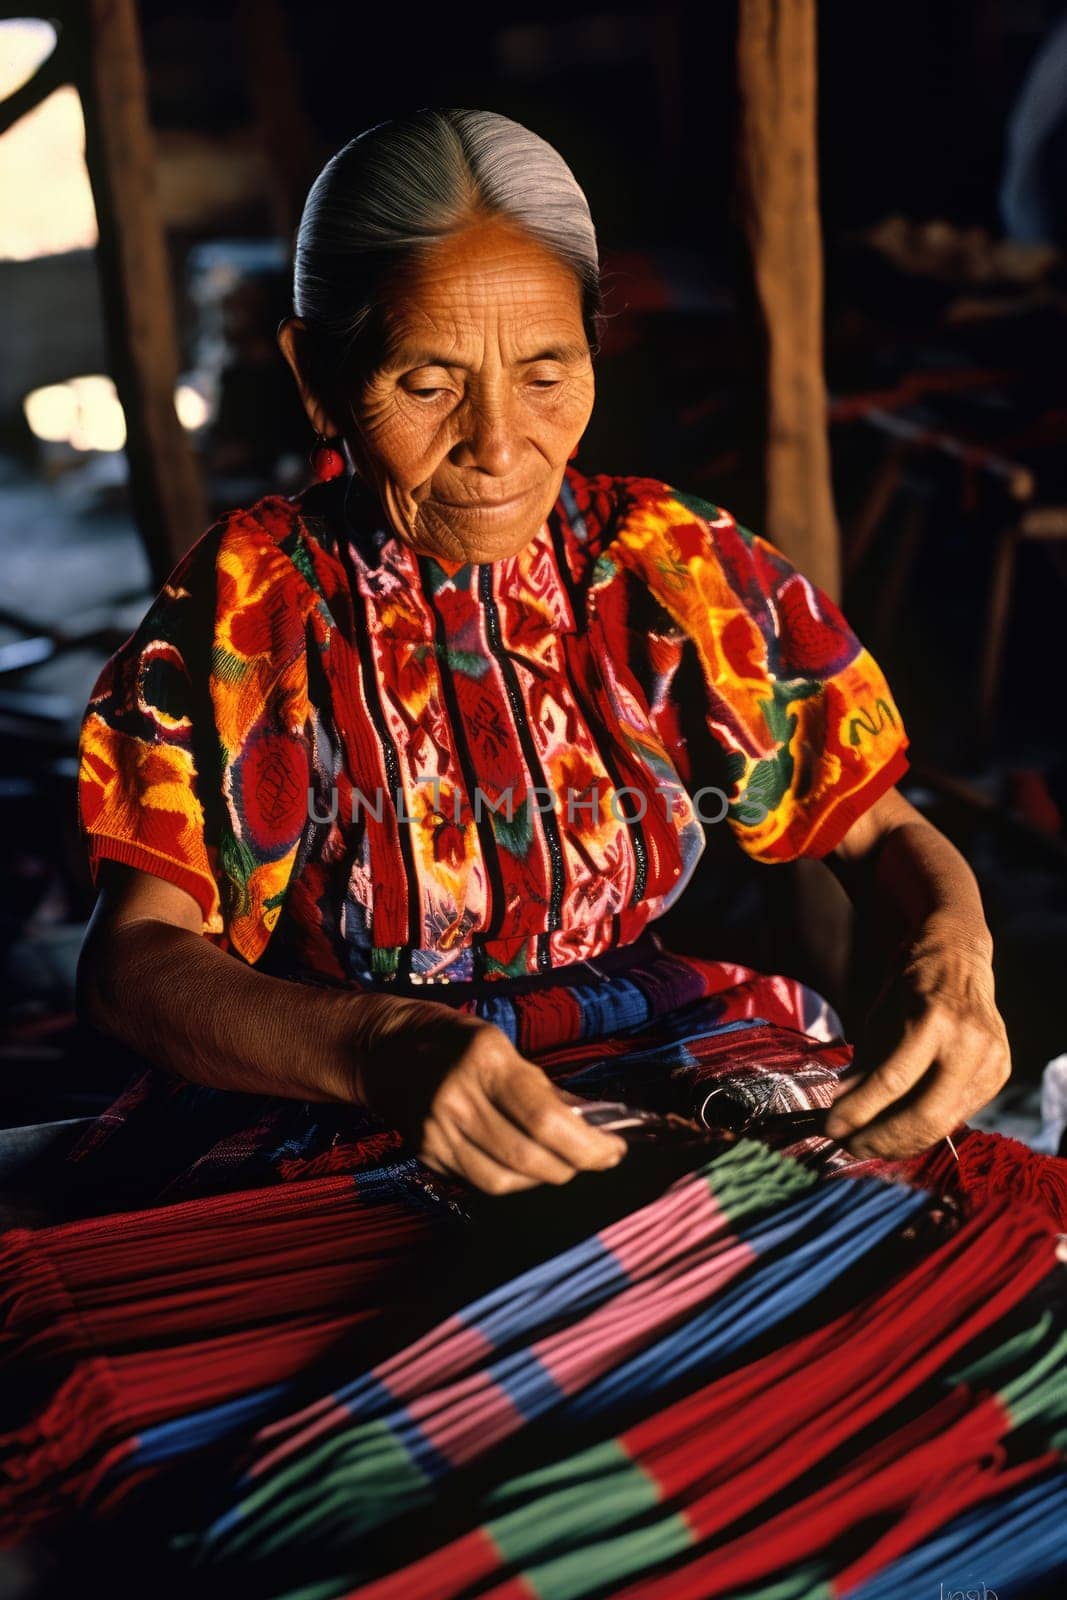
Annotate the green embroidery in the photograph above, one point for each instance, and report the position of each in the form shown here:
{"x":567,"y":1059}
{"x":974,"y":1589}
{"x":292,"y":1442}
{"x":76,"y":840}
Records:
{"x":771,"y":778}
{"x":515,"y":968}
{"x":469,"y":662}
{"x":781,"y":723}
{"x":865,"y":720}
{"x":692,"y":502}
{"x":384,"y":960}
{"x":301,"y":559}
{"x":238,"y":864}
{"x":735,"y":768}
{"x":769,"y":781}
{"x":676,"y":574}
{"x":515,"y":836}
{"x":226,"y":666}
{"x":604,"y":569}
{"x":460,"y":579}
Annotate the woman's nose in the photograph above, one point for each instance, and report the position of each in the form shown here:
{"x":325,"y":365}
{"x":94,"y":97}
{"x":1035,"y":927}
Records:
{"x":488,"y":440}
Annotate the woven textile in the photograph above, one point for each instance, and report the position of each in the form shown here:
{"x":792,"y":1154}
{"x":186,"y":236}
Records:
{"x":753,"y":1377}
{"x":723,"y":1368}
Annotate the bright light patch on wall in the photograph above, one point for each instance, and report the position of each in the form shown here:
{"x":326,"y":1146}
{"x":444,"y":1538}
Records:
{"x":51,"y":412}
{"x":48,"y":204}
{"x":87,"y":414}
{"x":25,"y":44}
{"x":83,"y":412}
{"x":191,"y":406}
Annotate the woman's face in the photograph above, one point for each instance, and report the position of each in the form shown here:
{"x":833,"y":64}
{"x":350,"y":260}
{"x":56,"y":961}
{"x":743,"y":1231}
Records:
{"x":483,"y":391}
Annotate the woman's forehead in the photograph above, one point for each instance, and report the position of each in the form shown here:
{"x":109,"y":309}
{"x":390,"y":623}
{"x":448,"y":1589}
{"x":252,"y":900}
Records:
{"x":526,"y":341}
{"x":488,"y":276}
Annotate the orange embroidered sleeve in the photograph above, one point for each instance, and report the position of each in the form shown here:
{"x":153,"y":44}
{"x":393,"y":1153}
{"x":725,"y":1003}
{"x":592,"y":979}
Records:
{"x":809,"y":726}
{"x":194,"y":749}
{"x":147,"y":734}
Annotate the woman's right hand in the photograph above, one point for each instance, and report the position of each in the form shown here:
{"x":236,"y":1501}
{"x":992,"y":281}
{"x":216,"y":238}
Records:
{"x":467,"y":1101}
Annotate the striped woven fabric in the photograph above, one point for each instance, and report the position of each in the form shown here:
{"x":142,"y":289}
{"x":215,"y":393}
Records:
{"x":747,"y":1344}
{"x":905,"y":1368}
{"x":116,"y":1326}
{"x":304,"y":1366}
{"x":865,"y":1333}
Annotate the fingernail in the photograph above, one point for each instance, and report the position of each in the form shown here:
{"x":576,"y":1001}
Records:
{"x":834,"y":1127}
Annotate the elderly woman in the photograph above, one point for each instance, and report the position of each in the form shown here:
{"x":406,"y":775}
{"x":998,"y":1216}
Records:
{"x":382,"y":797}
{"x":423,"y":724}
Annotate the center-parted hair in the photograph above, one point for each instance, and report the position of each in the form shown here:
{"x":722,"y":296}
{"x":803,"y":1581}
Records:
{"x":394,"y":191}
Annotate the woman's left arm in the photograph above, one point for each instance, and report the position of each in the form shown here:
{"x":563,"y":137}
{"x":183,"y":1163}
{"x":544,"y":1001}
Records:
{"x":936,"y":1044}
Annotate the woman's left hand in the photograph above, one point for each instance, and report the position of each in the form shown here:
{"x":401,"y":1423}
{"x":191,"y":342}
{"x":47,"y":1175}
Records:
{"x":935,"y":1049}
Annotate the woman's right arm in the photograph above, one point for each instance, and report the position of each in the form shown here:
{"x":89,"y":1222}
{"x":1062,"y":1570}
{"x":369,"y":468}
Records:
{"x":453,"y":1084}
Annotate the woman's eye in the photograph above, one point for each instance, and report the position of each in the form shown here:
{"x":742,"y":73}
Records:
{"x":428,"y":387}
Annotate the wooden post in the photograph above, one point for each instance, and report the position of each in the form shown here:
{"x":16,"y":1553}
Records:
{"x":165,"y":485}
{"x":274,"y":91}
{"x":779,"y":214}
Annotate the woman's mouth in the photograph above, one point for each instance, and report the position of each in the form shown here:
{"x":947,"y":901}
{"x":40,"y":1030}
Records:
{"x":486,"y":507}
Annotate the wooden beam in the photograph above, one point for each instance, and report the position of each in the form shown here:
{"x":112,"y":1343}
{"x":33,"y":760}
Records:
{"x":165,"y":485}
{"x":777,"y":176}
{"x":274,"y":91}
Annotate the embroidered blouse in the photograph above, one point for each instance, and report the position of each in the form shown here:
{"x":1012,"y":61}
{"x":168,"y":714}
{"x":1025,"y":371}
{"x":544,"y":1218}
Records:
{"x":365,"y":763}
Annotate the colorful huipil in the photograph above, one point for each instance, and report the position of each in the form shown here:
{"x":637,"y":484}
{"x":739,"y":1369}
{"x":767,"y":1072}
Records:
{"x":368,"y":765}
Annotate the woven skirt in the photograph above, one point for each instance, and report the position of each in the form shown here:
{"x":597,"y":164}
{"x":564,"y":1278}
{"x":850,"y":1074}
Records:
{"x":271,"y":1355}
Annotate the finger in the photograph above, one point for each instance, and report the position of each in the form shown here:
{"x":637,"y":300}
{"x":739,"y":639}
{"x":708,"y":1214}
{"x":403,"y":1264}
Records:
{"x":847,"y":1082}
{"x":529,"y":1100}
{"x":949,"y":1095}
{"x":486,"y":1173}
{"x":908,"y":1130}
{"x":449,"y":1151}
{"x":478,"y":1126}
{"x":887,"y":1083}
{"x":496,"y":1135}
{"x":897,"y":1139}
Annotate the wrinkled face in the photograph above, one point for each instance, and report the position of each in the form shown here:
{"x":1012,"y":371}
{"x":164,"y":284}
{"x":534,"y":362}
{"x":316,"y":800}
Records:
{"x":482,"y":393}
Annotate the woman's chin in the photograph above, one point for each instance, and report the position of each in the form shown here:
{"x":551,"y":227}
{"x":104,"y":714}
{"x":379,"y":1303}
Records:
{"x":476,"y":535}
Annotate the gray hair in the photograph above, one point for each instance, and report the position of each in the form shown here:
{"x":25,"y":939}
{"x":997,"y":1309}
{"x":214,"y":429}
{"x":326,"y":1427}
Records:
{"x":394,"y":191}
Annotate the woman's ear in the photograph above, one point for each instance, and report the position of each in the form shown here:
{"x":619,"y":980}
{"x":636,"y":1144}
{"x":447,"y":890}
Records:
{"x":294,"y":344}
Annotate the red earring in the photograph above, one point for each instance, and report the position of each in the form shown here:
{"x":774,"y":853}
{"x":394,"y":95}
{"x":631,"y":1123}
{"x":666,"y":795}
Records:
{"x":326,"y":461}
